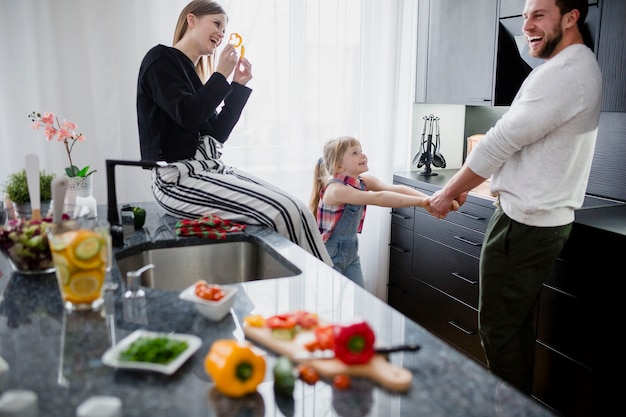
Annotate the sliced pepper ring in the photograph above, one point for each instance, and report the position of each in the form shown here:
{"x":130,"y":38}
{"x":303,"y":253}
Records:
{"x":281,"y":321}
{"x":235,"y":39}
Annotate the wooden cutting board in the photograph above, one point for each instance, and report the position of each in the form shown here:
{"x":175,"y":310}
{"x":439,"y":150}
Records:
{"x":378,"y":369}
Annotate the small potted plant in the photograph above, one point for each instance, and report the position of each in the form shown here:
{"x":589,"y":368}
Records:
{"x":16,"y":191}
{"x":80,"y":181}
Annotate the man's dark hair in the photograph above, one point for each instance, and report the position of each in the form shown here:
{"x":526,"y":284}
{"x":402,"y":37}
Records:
{"x":582,"y":6}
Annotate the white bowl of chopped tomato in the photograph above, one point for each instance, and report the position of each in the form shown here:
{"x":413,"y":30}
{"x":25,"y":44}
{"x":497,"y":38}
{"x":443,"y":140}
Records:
{"x":211,"y":300}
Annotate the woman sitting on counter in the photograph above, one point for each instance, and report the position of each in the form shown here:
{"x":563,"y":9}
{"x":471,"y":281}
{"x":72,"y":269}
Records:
{"x":179,"y":123}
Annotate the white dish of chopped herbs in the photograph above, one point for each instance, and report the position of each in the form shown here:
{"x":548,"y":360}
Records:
{"x":152,"y":351}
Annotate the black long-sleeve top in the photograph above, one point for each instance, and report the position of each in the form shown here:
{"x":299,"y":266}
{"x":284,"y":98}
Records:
{"x":174,"y":108}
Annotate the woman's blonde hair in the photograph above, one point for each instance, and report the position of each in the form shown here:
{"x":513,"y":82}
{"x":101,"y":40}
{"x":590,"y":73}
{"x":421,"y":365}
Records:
{"x":328,"y":165}
{"x":205,"y":64}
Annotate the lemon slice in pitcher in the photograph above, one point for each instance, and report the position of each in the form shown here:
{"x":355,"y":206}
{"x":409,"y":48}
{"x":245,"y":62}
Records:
{"x":85,"y":286}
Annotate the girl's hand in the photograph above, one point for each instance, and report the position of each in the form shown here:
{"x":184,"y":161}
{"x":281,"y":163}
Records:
{"x":243,"y":71}
{"x":228,"y":61}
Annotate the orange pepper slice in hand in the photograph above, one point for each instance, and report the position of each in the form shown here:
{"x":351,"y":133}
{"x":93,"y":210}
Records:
{"x":236,"y":40}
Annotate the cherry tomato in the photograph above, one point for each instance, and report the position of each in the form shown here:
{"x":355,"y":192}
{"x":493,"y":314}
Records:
{"x":307,"y":374}
{"x":312,"y":346}
{"x":209,"y":292}
{"x":325,"y":336}
{"x":342,"y":381}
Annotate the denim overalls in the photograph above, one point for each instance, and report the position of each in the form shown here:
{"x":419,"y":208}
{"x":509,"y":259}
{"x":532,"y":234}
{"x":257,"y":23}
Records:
{"x":343,"y":244}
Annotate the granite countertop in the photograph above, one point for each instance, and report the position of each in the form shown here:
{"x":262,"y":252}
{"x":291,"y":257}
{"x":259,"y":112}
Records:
{"x":58,"y":355}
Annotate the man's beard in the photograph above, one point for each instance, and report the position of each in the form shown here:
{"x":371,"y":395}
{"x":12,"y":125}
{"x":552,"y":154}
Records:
{"x":551,"y":43}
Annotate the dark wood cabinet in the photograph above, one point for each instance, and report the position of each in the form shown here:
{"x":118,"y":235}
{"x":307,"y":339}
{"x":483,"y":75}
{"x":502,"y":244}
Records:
{"x":472,"y":53}
{"x":433,"y":279}
{"x":611,"y":55}
{"x":440,"y":288}
{"x":460,"y":52}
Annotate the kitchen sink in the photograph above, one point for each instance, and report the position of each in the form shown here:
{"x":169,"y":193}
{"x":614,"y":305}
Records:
{"x":219,"y":262}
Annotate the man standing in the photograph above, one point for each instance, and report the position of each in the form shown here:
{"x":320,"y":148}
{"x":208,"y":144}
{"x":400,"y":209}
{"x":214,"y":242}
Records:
{"x":539,"y":156}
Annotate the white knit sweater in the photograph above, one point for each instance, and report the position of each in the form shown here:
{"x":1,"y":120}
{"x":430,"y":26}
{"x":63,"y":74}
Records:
{"x":540,"y":151}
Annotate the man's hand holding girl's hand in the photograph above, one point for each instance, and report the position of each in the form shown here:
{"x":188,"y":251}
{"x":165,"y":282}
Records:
{"x":439,"y":205}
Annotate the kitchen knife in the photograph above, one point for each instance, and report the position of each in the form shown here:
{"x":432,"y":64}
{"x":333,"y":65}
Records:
{"x":329,"y":354}
{"x":32,"y":178}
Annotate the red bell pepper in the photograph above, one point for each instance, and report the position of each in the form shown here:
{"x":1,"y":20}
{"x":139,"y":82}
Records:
{"x":354,"y":343}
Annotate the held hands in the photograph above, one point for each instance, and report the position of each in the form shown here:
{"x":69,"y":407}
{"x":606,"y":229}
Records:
{"x":439,"y":205}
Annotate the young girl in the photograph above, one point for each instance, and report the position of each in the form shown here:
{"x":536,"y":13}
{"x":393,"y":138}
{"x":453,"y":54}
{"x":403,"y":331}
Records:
{"x":341,"y":192}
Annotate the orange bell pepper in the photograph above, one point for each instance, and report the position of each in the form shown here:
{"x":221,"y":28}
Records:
{"x":235,"y":368}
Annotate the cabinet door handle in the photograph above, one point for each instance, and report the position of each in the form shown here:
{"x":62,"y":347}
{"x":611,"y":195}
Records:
{"x":400,"y":216}
{"x":459,"y":327}
{"x":462,"y":239}
{"x":397,"y":248}
{"x":456,"y":274}
{"x":477,"y":99}
{"x":471,"y":216}
{"x":397,"y":289}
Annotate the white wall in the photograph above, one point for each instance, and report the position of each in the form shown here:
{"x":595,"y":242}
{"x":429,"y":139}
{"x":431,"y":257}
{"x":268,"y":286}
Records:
{"x":452,"y":128}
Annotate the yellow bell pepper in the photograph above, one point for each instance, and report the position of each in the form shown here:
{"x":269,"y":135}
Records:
{"x":235,"y":368}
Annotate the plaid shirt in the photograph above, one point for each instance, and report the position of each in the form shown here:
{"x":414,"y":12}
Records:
{"x":327,"y":215}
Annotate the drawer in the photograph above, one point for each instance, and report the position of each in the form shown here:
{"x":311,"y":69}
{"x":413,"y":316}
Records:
{"x":453,"y":321}
{"x":403,"y":217}
{"x":576,"y":329}
{"x":472,"y":215}
{"x":570,"y":388}
{"x":400,"y":253}
{"x":399,"y":292}
{"x":584,"y":251}
{"x":461,"y":238}
{"x":446,"y":269}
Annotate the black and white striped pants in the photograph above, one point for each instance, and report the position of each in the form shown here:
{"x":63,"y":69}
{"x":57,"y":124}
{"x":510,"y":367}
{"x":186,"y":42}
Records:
{"x":204,"y":185}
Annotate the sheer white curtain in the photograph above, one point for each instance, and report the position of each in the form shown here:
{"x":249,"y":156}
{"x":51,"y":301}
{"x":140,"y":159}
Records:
{"x":322,"y":68}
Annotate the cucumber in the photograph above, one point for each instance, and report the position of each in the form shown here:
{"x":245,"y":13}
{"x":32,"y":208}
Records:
{"x":284,"y":334}
{"x":284,"y":376}
{"x":87,"y":248}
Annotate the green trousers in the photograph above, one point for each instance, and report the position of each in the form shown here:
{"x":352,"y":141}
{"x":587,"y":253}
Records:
{"x":514,"y":262}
